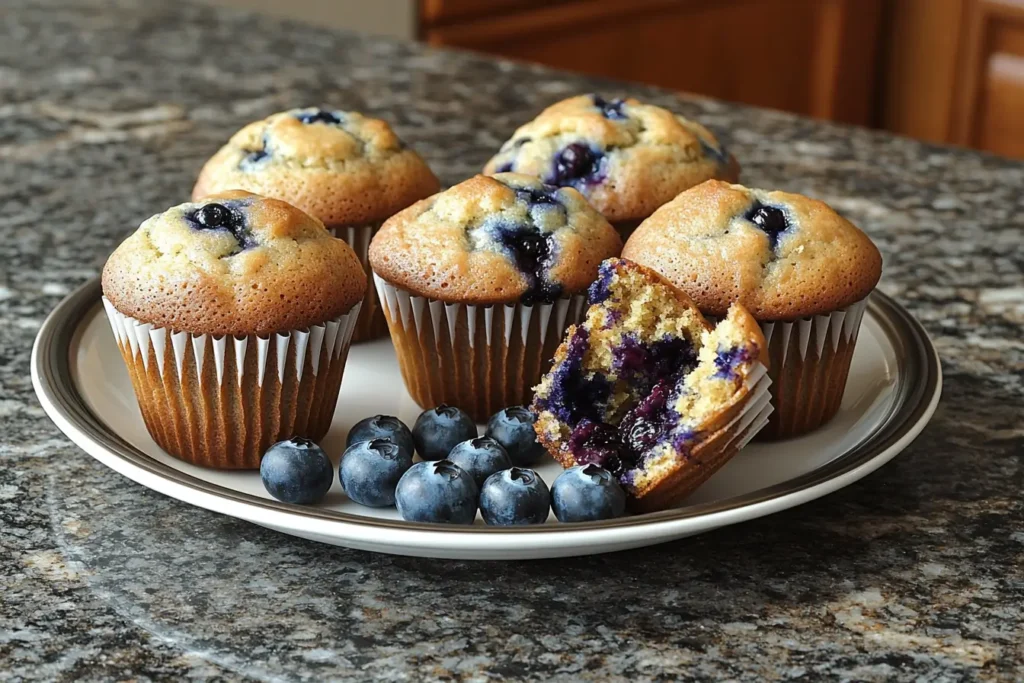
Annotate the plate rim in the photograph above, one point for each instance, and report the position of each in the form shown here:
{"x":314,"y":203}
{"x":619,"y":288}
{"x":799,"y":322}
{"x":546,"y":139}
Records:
{"x":58,"y":394}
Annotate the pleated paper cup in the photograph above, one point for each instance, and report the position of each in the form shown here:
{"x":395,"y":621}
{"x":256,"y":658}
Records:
{"x":741,"y":424}
{"x":371,"y":323}
{"x":222,"y":401}
{"x":479,"y":358}
{"x":810,"y":362}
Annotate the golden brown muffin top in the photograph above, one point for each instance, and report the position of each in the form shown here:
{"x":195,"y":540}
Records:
{"x":783,"y":256}
{"x":342,"y":167}
{"x":502,"y":239}
{"x":233,"y":264}
{"x":626,"y":157}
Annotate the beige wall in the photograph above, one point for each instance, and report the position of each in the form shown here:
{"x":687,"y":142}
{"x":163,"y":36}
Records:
{"x":380,"y":17}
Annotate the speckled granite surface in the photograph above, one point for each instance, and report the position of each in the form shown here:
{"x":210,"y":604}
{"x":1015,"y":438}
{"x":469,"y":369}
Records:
{"x":106,"y":113}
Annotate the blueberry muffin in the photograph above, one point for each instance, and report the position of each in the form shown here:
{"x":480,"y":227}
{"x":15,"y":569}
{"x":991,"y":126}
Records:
{"x":234,"y":316}
{"x":626,"y":157}
{"x":646,"y":388}
{"x":350,"y":171}
{"x":479,"y":282}
{"x":802,"y":270}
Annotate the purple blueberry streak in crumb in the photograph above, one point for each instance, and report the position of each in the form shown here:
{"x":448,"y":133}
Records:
{"x":505,"y":167}
{"x":598,"y":443}
{"x":610,"y":109}
{"x":601,"y":289}
{"x":646,"y":364}
{"x":728,"y":360}
{"x":574,"y":396}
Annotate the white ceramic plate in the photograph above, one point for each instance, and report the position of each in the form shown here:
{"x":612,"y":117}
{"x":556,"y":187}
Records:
{"x":894,"y":386}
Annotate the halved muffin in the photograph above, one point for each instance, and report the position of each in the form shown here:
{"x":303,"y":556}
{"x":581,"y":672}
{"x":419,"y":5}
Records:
{"x":646,"y":388}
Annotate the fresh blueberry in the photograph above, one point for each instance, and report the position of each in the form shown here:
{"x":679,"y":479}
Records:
{"x":481,"y":457}
{"x":319,"y":116}
{"x":513,"y":428}
{"x":515,"y":497}
{"x":296,"y":471}
{"x":587,"y":493}
{"x":770,"y":219}
{"x":370,"y":471}
{"x":437,"y":430}
{"x":439,"y":491}
{"x":381,"y":427}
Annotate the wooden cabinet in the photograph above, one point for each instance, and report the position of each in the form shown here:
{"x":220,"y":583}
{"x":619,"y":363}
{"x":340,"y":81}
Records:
{"x":949,"y":71}
{"x":956,"y":73}
{"x":815,"y":57}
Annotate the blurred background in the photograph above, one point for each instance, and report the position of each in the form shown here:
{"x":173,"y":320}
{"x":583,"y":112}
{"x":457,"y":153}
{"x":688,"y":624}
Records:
{"x":947,"y":71}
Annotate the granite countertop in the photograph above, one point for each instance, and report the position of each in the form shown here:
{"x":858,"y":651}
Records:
{"x":107,"y":110}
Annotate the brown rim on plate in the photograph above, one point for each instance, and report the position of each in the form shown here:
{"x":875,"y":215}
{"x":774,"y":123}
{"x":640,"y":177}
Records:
{"x":918,"y":377}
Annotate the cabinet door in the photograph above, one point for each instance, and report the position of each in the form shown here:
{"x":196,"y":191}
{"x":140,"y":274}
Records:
{"x":989,"y":104}
{"x":814,"y":57}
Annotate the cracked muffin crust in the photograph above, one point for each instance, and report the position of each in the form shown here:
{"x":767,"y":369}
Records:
{"x":626,"y":157}
{"x":782,"y":255}
{"x":342,"y":167}
{"x":495,"y":240}
{"x":233,"y":264}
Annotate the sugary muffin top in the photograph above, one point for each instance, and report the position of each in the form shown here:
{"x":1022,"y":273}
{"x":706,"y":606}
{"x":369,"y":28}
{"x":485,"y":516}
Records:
{"x":342,"y":167}
{"x":502,"y":239}
{"x":783,"y":256}
{"x":626,"y":157}
{"x":234,"y":263}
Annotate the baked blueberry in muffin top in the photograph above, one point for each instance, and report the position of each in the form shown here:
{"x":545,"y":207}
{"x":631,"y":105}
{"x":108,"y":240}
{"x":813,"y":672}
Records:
{"x":502,"y":239}
{"x":345,"y":168}
{"x":626,"y":157}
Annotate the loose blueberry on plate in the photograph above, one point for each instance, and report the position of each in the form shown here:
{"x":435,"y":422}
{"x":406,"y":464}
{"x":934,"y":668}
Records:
{"x":587,"y":493}
{"x":513,"y":428}
{"x":515,"y":497}
{"x":437,"y":430}
{"x":370,"y":471}
{"x":481,"y":457}
{"x":439,"y":491}
{"x":381,"y":427}
{"x":296,"y":471}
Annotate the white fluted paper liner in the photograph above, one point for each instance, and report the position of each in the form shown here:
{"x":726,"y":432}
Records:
{"x":258,"y":390}
{"x":371,"y":323}
{"x":754,"y":416}
{"x":810,"y":360}
{"x":297,"y":345}
{"x":481,"y":358}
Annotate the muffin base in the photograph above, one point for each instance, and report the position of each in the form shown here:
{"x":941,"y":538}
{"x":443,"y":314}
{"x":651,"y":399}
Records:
{"x":221,"y":402}
{"x":810,"y":363}
{"x":479,"y":358}
{"x":371,"y":323}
